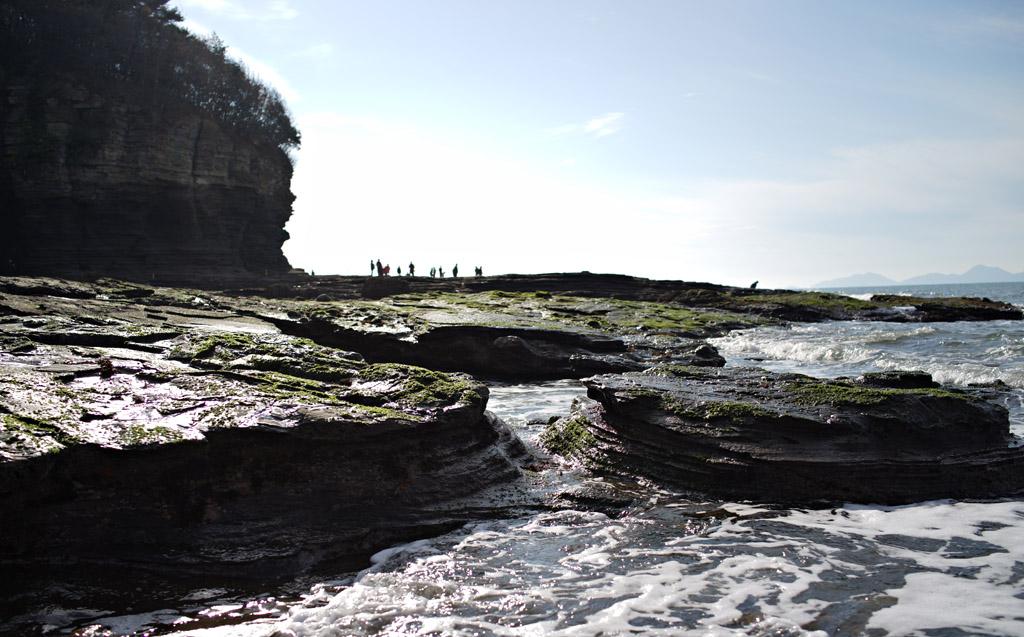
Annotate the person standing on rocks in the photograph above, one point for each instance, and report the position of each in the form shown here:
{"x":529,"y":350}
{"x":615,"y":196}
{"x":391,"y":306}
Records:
{"x":433,"y":271}
{"x":412,"y":269}
{"x":372,"y":267}
{"x":399,"y":270}
{"x":455,"y":271}
{"x":440,"y":273}
{"x":380,"y":268}
{"x":387,"y":270}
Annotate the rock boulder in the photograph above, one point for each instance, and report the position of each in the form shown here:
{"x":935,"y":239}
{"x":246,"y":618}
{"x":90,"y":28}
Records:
{"x":753,"y":434}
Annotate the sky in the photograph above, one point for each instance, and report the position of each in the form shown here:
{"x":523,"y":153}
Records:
{"x":725,"y":141}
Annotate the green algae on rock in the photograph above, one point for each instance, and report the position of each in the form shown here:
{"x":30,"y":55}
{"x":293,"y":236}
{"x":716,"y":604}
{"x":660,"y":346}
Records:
{"x":753,"y":434}
{"x":173,"y":441}
{"x":568,"y":437}
{"x":815,"y":393}
{"x":752,"y":304}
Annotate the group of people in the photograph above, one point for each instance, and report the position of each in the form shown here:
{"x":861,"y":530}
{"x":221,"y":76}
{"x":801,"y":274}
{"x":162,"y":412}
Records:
{"x":385,"y":270}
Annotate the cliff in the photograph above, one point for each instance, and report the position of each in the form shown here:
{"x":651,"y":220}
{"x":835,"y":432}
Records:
{"x":103,"y":183}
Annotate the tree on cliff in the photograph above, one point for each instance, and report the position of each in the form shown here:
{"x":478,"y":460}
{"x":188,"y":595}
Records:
{"x":138,"y":46}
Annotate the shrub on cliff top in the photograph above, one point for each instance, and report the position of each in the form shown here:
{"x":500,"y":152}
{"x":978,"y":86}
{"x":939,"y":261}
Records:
{"x":139,"y":46}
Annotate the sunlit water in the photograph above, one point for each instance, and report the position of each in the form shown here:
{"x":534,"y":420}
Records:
{"x":954,"y":353}
{"x":672,"y":566}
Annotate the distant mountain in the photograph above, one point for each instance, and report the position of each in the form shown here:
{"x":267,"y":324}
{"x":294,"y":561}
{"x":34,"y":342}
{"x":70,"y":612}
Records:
{"x":977,"y":274}
{"x":868,"y":279}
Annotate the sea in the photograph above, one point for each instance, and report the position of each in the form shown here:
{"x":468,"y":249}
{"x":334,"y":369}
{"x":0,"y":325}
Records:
{"x":676,"y":565}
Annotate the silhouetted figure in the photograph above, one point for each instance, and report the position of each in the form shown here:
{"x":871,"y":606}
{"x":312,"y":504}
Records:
{"x":412,"y":269}
{"x":433,"y":272}
{"x":387,"y":270}
{"x":753,"y":286}
{"x":455,"y":271}
{"x":478,"y":270}
{"x":440,"y":273}
{"x":380,"y":268}
{"x":372,"y":267}
{"x":399,"y":270}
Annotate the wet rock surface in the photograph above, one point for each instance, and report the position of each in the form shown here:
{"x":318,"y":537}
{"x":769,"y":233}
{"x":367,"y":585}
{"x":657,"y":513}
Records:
{"x":508,"y":336}
{"x":785,"y":305}
{"x":753,"y":434}
{"x":154,"y":440}
{"x":160,"y":444}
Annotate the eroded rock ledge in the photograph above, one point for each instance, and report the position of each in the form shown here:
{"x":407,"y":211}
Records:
{"x":786,"y":305}
{"x":138,"y":452}
{"x":753,"y":434}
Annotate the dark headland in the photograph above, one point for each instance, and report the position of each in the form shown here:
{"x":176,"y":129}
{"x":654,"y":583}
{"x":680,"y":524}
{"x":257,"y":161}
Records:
{"x":179,"y":407}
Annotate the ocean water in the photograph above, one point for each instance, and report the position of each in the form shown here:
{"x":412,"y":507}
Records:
{"x":676,"y":566}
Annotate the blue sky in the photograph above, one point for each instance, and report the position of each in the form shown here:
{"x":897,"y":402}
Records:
{"x":788,"y":142}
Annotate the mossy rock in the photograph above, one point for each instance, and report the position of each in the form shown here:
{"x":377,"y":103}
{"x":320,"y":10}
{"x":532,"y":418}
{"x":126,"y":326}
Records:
{"x":547,"y":310}
{"x":22,"y":435}
{"x":418,"y":386}
{"x":137,"y":435}
{"x":813,"y":394}
{"x":679,"y":371}
{"x":710,"y":410}
{"x":297,"y":357}
{"x":568,"y":437}
{"x":816,"y":300}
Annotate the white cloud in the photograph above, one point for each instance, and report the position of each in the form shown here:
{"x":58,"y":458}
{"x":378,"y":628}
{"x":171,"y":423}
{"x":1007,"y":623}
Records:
{"x":267,"y":73}
{"x":257,"y":67}
{"x":901,"y":208}
{"x":600,"y":126}
{"x":197,"y":27}
{"x":261,"y":11}
{"x":608,"y":124}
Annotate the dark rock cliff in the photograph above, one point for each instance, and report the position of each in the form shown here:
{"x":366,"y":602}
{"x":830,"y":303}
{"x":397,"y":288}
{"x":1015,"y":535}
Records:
{"x":101,"y":184}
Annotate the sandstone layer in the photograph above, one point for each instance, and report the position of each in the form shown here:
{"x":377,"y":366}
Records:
{"x":99,"y":184}
{"x":149,"y":439}
{"x":767,"y":304}
{"x":753,"y":434}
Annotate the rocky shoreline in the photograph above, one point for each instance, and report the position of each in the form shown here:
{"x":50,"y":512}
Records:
{"x":749,"y":434}
{"x":153,"y":437}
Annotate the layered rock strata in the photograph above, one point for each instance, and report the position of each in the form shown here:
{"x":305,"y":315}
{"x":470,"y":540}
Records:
{"x":101,"y":185}
{"x":510,"y":336}
{"x":779,"y":305}
{"x":147,"y":440}
{"x":753,"y":434}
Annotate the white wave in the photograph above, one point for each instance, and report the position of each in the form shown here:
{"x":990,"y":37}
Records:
{"x":893,"y":336}
{"x":754,"y":344}
{"x":934,"y":599}
{"x":959,"y":354}
{"x":551,"y":576}
{"x":760,"y":573}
